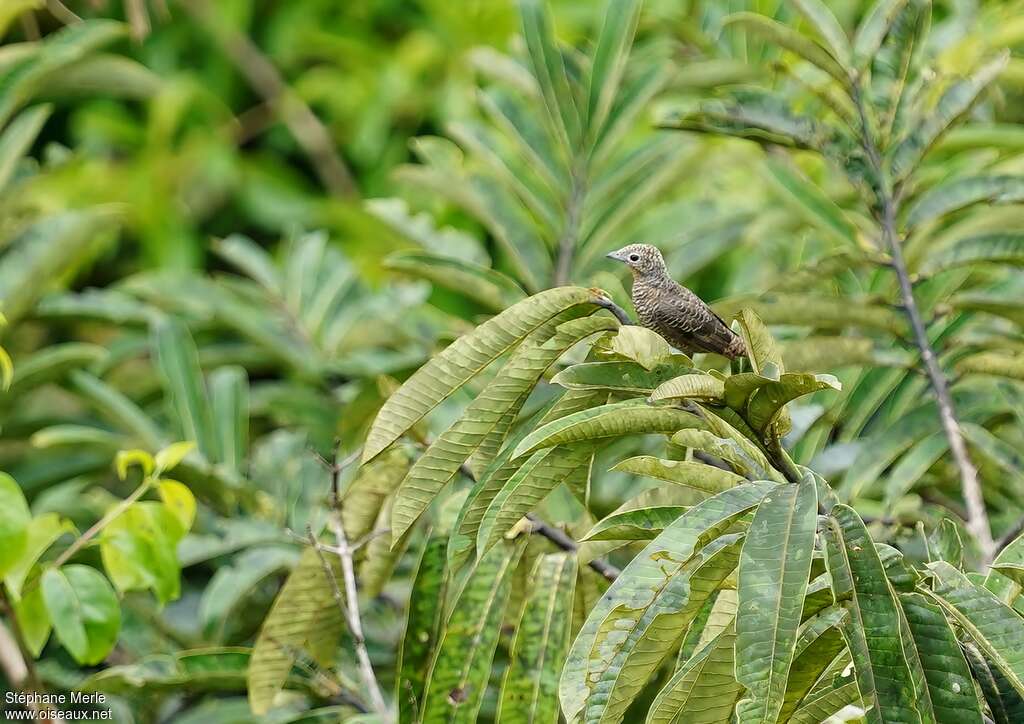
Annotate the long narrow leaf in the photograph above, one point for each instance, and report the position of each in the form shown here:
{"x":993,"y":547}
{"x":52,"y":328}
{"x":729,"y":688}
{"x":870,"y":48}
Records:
{"x":774,"y":568}
{"x":529,"y":690}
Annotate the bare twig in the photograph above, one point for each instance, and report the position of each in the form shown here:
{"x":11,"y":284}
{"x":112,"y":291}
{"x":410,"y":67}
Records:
{"x":977,"y":517}
{"x":18,"y":667}
{"x":349,"y":602}
{"x":558,"y":537}
{"x":138,"y":18}
{"x":264,"y":77}
{"x":563,"y":541}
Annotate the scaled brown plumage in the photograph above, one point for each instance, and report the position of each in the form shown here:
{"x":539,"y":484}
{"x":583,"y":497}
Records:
{"x":672,"y":310}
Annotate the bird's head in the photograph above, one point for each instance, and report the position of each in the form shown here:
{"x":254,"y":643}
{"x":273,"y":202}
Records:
{"x":642,"y":259}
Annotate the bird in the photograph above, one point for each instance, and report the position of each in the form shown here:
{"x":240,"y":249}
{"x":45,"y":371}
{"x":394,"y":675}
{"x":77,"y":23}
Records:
{"x":665,"y":306}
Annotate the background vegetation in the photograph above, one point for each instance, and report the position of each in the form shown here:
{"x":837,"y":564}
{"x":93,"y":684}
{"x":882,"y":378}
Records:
{"x":243,"y":482}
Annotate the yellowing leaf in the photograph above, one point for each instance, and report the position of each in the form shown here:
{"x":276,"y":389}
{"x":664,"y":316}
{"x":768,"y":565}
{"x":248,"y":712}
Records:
{"x":168,"y":458}
{"x":179,"y":500}
{"x":127,"y":458}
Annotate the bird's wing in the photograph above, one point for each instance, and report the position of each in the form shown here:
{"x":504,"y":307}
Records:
{"x":687,"y":313}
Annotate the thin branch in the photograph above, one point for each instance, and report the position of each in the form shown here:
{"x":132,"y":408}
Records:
{"x":103,"y":522}
{"x":781,"y":460}
{"x":17,"y":664}
{"x":350,"y":600}
{"x":138,"y":19}
{"x":563,"y":541}
{"x":264,"y":77}
{"x":977,"y":517}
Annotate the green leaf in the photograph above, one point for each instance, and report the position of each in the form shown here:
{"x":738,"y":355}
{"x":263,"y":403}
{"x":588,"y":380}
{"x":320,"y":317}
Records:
{"x":17,"y":138}
{"x":629,"y":417}
{"x":303,"y":621}
{"x":770,"y":400}
{"x":14,"y":8}
{"x":953,"y":104}
{"x":61,"y":50}
{"x":645,"y":347}
{"x":698,"y":386}
{"x":618,"y":376}
{"x":774,"y":567}
{"x":490,"y":413}
{"x":422,"y":628}
{"x":501,"y":471}
{"x":14,"y":524}
{"x":104,"y":75}
{"x":48,"y":251}
{"x":541,"y":473}
{"x":33,"y":619}
{"x":549,"y":70}
{"x":873,"y":631}
{"x":994,"y":627}
{"x":168,"y":458}
{"x":704,"y":689}
{"x":464,"y":359}
{"x":791,"y":40}
{"x":873,"y":29}
{"x":950,"y":688}
{"x":43,"y":532}
{"x":125,"y":459}
{"x":762,"y":351}
{"x":196,"y":671}
{"x":765,"y":120}
{"x":631,"y":644}
{"x":822,"y":704}
{"x":819,"y":643}
{"x":232,"y":583}
{"x":84,"y":610}
{"x":139,"y":550}
{"x":461,"y":664}
{"x":816,"y":311}
{"x":698,"y":476}
{"x":229,"y":404}
{"x":996,"y":248}
{"x":742,"y":455}
{"x":364,"y":497}
{"x":963,"y":192}
{"x":610,"y":58}
{"x":945,"y":544}
{"x":810,"y":201}
{"x":1005,"y":704}
{"x":828,"y":28}
{"x":999,"y":364}
{"x":648,"y":605}
{"x":178,"y":362}
{"x":529,"y":689}
{"x":637,"y":524}
{"x":817,"y":352}
{"x":491,"y":288}
{"x":115,"y":407}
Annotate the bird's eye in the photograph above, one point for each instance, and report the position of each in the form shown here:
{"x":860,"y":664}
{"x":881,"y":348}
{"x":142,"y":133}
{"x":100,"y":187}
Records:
{"x":634,"y":257}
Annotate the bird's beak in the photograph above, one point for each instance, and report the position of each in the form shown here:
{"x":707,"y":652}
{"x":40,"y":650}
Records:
{"x":614,"y":255}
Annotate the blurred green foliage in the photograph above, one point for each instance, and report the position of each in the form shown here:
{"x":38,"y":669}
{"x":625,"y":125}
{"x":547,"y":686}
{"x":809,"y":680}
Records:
{"x":241,"y":224}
